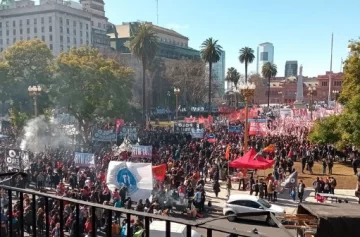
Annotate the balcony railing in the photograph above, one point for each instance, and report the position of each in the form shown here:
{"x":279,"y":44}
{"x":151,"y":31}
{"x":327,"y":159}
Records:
{"x":34,"y":195}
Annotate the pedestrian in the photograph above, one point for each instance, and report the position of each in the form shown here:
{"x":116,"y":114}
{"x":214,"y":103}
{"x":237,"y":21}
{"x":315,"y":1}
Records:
{"x":216,"y":188}
{"x":332,"y":185}
{"x":324,"y":164}
{"x":301,"y":190}
{"x":293,"y":194}
{"x":228,"y":186}
{"x":330,"y":165}
{"x":270,"y":190}
{"x":256,"y":187}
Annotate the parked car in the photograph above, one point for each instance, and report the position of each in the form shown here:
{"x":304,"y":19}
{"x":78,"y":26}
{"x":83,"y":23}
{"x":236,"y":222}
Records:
{"x":240,"y":204}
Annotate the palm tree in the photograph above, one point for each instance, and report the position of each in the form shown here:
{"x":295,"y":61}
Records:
{"x":246,"y":56}
{"x":144,"y":45}
{"x":269,"y":70}
{"x":233,"y":76}
{"x":210,"y":52}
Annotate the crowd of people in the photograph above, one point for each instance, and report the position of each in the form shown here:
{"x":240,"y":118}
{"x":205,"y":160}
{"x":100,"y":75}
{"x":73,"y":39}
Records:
{"x":190,"y":164}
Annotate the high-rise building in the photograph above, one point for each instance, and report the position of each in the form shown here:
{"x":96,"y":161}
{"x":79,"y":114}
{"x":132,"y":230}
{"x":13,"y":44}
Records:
{"x":61,"y":25}
{"x":291,"y":68}
{"x":218,"y":69}
{"x":265,"y":53}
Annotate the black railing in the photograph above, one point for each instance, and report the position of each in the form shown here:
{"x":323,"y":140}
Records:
{"x":34,"y":195}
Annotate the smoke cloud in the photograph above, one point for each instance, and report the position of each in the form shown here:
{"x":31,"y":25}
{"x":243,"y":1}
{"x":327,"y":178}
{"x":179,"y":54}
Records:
{"x":40,"y":135}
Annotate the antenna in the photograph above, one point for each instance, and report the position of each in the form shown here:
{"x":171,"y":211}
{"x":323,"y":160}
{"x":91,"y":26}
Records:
{"x":157,"y":12}
{"x":331,"y":59}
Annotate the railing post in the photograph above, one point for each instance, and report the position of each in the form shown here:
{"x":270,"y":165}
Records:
{"x":47,"y":214}
{"x":167,"y":229}
{"x":128,"y":225}
{"x":109,"y":221}
{"x":78,"y":233}
{"x":93,"y":221}
{"x":188,"y":230}
{"x":209,"y":233}
{"x":61,"y":218}
{"x":10,"y":213}
{"x":21,"y":221}
{"x":147,"y":227}
{"x":34,"y":216}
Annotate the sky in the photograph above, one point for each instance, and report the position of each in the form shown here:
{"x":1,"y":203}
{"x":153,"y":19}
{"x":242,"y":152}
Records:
{"x":299,"y":30}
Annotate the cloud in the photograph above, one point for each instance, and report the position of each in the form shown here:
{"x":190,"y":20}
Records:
{"x":177,"y":26}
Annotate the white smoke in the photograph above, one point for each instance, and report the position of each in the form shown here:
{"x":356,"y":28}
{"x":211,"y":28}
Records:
{"x":40,"y":135}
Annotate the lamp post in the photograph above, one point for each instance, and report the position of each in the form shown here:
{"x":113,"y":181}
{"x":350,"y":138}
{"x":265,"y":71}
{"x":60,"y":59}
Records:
{"x":312,"y":91}
{"x":177,"y":92}
{"x":34,"y":92}
{"x":336,"y":94}
{"x":247,"y":90}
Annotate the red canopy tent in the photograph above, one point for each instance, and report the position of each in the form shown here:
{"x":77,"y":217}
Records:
{"x":252,"y":161}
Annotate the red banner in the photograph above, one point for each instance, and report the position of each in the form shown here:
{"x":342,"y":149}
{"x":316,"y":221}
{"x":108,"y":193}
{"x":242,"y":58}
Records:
{"x":159,"y":172}
{"x":299,"y":112}
{"x":257,"y":128}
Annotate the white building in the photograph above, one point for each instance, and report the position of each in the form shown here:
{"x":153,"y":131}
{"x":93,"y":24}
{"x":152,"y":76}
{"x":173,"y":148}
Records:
{"x":60,"y":26}
{"x":265,"y":53}
{"x":219,"y":71}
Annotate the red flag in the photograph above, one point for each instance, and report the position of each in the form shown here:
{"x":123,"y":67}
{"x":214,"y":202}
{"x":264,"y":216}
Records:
{"x":119,"y":123}
{"x":159,"y":172}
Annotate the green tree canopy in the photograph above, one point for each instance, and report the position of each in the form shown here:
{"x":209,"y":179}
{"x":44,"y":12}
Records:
{"x":268,"y":71}
{"x":91,"y":86}
{"x":246,"y":56}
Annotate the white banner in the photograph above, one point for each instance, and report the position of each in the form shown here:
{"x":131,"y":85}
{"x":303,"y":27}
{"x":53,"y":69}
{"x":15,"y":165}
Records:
{"x":141,"y":151}
{"x":137,"y":177}
{"x":84,"y":159}
{"x":104,"y":135}
{"x":197,"y":133}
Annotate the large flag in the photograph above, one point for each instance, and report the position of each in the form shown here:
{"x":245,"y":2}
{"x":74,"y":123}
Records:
{"x":291,"y":181}
{"x":159,"y":172}
{"x":269,"y":148}
{"x":227,"y":153}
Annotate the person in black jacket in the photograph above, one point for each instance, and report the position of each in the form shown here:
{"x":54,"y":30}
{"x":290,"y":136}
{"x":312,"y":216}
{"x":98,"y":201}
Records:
{"x":216,"y":188}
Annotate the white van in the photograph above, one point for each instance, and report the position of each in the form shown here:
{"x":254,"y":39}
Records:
{"x":158,"y":228}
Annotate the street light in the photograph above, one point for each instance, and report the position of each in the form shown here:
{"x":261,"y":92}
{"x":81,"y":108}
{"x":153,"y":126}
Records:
{"x":312,"y":91}
{"x":247,"y":90}
{"x":336,"y":94}
{"x":177,"y":92}
{"x":34,"y":92}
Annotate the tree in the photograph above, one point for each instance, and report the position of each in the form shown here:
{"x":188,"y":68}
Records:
{"x":188,"y":75}
{"x":210,"y":52}
{"x":233,"y":76}
{"x":325,"y":131}
{"x":144,"y":45}
{"x":246,"y":56}
{"x":27,"y":63}
{"x":269,"y":70}
{"x":91,"y":87}
{"x":260,"y":88}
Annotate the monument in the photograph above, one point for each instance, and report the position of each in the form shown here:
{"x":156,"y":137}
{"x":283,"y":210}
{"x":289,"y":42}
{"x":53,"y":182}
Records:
{"x":299,"y":102}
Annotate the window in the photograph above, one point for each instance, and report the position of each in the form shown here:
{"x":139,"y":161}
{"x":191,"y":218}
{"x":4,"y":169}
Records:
{"x":74,"y":40}
{"x":67,"y":30}
{"x":42,"y":29}
{"x":7,"y":32}
{"x":35,"y":21}
{"x":61,"y":21}
{"x":264,"y":56}
{"x":67,"y":22}
{"x":28,"y":30}
{"x":20,"y":22}
{"x":1,"y":41}
{"x":81,"y":25}
{"x":7,"y":41}
{"x":51,"y":46}
{"x":50,"y":19}
{"x":0,"y":24}
{"x":337,"y":83}
{"x":50,"y":28}
{"x":264,"y":203}
{"x":28,"y":21}
{"x":99,"y":24}
{"x":50,"y":37}
{"x":61,"y":38}
{"x":74,"y":23}
{"x":81,"y":34}
{"x":35,"y":30}
{"x":87,"y":26}
{"x":14,"y":32}
{"x":68,"y":48}
{"x":61,"y":29}
{"x":81,"y":41}
{"x":87,"y":34}
{"x":14,"y":23}
{"x":42,"y":20}
{"x":74,"y":32}
{"x":324,"y":83}
{"x":62,"y":47}
{"x":7,"y":24}
{"x":43,"y":38}
{"x":68,"y":40}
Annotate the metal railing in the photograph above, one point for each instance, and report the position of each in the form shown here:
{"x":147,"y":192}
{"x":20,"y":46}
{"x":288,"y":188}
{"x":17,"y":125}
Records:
{"x":34,"y":195}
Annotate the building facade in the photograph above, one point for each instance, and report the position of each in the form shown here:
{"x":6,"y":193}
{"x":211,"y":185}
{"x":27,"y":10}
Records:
{"x":172,"y":45}
{"x":59,"y":25}
{"x":283,"y":90}
{"x":219,"y":72}
{"x":265,"y":53}
{"x":291,"y":68}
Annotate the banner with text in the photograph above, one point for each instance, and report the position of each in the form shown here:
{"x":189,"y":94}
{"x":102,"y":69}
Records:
{"x":184,"y":127}
{"x":84,"y":159}
{"x":17,"y":159}
{"x":299,"y":112}
{"x":141,"y":151}
{"x":129,"y":132}
{"x":102,"y":135}
{"x":197,"y":133}
{"x":257,"y":127}
{"x":234,"y":129}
